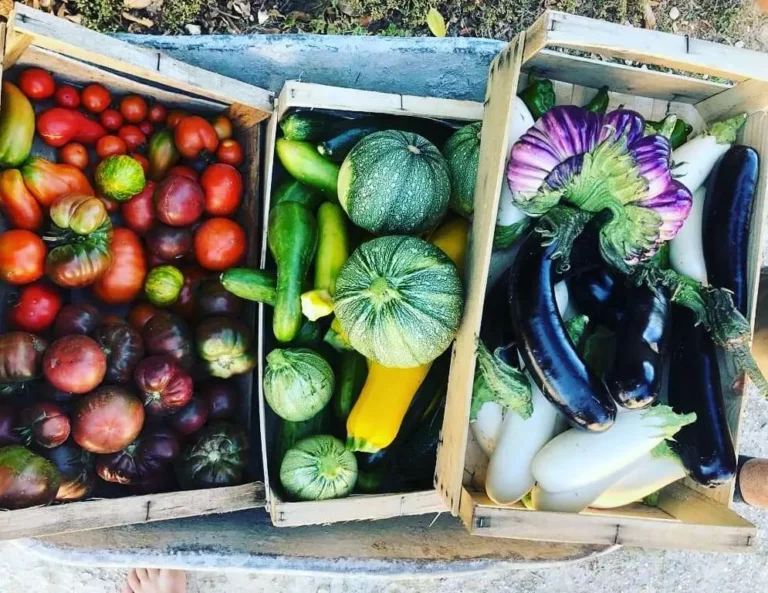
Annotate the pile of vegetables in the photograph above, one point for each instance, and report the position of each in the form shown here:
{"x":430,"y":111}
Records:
{"x":118,"y":369}
{"x":366,"y":297}
{"x":597,"y":379}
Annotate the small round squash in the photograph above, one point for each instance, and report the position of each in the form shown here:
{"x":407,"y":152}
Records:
{"x":298,"y":383}
{"x":318,"y":468}
{"x":462,"y":152}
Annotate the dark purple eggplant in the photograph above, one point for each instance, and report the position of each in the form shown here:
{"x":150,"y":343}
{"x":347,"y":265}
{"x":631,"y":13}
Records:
{"x":727,"y":217}
{"x":706,"y":446}
{"x":496,"y":330}
{"x":548,"y":353}
{"x":600,"y":294}
{"x":634,"y":380}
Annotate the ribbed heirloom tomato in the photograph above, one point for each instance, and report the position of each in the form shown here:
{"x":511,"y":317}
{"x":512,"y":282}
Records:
{"x":219,"y":244}
{"x":22,"y":257}
{"x":36,"y":309}
{"x":124,"y":279}
{"x":223,"y":187}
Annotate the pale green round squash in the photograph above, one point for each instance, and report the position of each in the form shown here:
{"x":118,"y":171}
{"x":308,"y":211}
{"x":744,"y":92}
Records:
{"x":399,"y":300}
{"x":462,"y":152}
{"x":394,"y":182}
{"x":298,"y":383}
{"x":318,"y":468}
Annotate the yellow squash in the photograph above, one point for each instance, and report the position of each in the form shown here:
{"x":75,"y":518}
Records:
{"x":376,"y":416}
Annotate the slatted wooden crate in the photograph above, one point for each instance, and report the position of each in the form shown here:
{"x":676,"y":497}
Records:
{"x":80,"y":56}
{"x":687,"y":516}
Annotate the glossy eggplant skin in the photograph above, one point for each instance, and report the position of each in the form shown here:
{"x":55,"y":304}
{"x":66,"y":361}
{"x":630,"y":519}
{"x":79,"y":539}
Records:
{"x":727,"y":217}
{"x":706,"y":446}
{"x":496,"y":330}
{"x":634,"y":381}
{"x":548,"y":353}
{"x":601,"y":295}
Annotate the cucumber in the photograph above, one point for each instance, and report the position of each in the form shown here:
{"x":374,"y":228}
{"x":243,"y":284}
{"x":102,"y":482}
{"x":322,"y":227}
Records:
{"x":310,"y":335}
{"x":309,"y":126}
{"x":294,"y":191}
{"x":250,"y":284}
{"x":292,"y":432}
{"x":303,"y":162}
{"x":332,"y":245}
{"x":350,"y":378}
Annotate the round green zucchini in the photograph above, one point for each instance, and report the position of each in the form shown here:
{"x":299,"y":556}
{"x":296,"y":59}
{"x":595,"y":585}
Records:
{"x":318,"y":468}
{"x":298,"y":383}
{"x":462,"y":152}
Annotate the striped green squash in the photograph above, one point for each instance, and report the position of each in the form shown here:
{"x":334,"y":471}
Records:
{"x":298,"y":383}
{"x":399,"y":300}
{"x":462,"y":152}
{"x":394,"y":182}
{"x":318,"y":468}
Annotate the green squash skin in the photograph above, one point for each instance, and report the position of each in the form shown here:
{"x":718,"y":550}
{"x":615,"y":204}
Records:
{"x":462,"y":152}
{"x":295,"y":191}
{"x":163,"y":285}
{"x":120,"y":177}
{"x":249,"y":284}
{"x":292,"y":432}
{"x":318,"y":468}
{"x":394,"y":182}
{"x":292,"y":238}
{"x":308,"y":126}
{"x":399,"y":299}
{"x":303,"y":162}
{"x":298,"y":383}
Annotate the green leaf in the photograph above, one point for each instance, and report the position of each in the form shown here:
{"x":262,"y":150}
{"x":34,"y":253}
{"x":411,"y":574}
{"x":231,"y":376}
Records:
{"x":496,"y":381}
{"x":436,"y":22}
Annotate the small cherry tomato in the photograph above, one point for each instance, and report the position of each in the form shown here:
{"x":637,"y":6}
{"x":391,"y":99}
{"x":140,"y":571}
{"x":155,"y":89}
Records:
{"x":174,"y":117}
{"x":110,"y":145}
{"x":223,"y":126}
{"x":142,"y":161}
{"x":194,"y":136}
{"x":184,"y":171}
{"x":36,"y":308}
{"x":22,"y":257}
{"x":223,"y":187}
{"x":75,"y":154}
{"x":157,"y":114}
{"x":133,"y":108}
{"x":146,"y":127}
{"x":111,"y":119}
{"x":133,"y":137}
{"x":37,"y":83}
{"x":67,"y":96}
{"x":230,"y":152}
{"x":219,"y":243}
{"x":95,"y":98}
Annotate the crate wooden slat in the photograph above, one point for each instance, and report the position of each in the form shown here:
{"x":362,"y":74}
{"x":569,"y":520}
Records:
{"x":687,"y":516}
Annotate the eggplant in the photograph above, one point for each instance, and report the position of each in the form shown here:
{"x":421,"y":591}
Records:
{"x":496,"y":330}
{"x":727,"y":217}
{"x":549,"y":355}
{"x":600,"y":294}
{"x":634,"y":380}
{"x":706,"y":446}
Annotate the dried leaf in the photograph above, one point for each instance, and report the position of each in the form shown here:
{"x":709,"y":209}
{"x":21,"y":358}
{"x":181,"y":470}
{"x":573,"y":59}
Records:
{"x":75,"y":18}
{"x":144,"y":22}
{"x":136,"y":4}
{"x":648,"y":16}
{"x":436,"y":22}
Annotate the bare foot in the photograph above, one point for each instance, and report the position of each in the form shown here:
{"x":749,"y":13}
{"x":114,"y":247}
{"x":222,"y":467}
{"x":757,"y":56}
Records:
{"x":154,"y":580}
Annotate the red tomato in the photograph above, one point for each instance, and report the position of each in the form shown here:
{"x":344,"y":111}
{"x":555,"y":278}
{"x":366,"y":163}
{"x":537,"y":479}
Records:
{"x":146,"y":127}
{"x":36,"y":308}
{"x":230,"y":152}
{"x":157,"y":113}
{"x":142,"y":313}
{"x":184,"y":172}
{"x":110,"y":205}
{"x":142,"y":160}
{"x":110,"y":145}
{"x":223,"y":126}
{"x":59,"y":125}
{"x":219,"y":243}
{"x":139,"y":212}
{"x":185,"y":304}
{"x":111,"y":119}
{"x":75,"y":154}
{"x":124,"y":279}
{"x":132,"y":136}
{"x":95,"y":98}
{"x":133,"y":108}
{"x":37,"y":83}
{"x":22,"y":257}
{"x":223,"y":187}
{"x":174,"y":117}
{"x":75,"y":364}
{"x":179,"y":201}
{"x":193,"y":135}
{"x":67,"y":96}
{"x":107,"y":420}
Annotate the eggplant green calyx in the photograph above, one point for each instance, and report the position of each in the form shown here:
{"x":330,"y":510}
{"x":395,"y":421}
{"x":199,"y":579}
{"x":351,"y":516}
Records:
{"x":560,"y":226}
{"x":725,"y":131}
{"x":505,"y":236}
{"x":663,"y":450}
{"x":667,"y":421}
{"x":538,"y":96}
{"x":599,"y":103}
{"x":496,"y":381}
{"x":576,"y":327}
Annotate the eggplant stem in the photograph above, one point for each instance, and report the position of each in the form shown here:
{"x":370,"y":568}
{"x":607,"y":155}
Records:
{"x":560,"y":226}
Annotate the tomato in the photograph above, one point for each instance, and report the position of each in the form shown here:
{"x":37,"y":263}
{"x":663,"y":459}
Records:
{"x":82,"y":319}
{"x":49,"y":181}
{"x":22,"y":257}
{"x":223,"y":187}
{"x":219,"y":243}
{"x":110,"y":205}
{"x":37,"y":83}
{"x":46,"y":424}
{"x":157,"y":113}
{"x":110,"y":145}
{"x":141,"y":314}
{"x":139,"y":212}
{"x":146,"y":127}
{"x":223,"y":126}
{"x":230,"y":152}
{"x":107,"y":420}
{"x":111,"y":119}
{"x":125,"y":276}
{"x":184,"y":171}
{"x":179,"y":201}
{"x":174,"y":117}
{"x":193,"y":136}
{"x":36,"y":308}
{"x":74,"y":154}
{"x":58,"y":125}
{"x":75,"y":364}
{"x":142,"y":160}
{"x":95,"y":98}
{"x":185,"y":304}
{"x":133,"y":108}
{"x":67,"y":96}
{"x":20,"y":207}
{"x":132,"y":136}
{"x":169,"y":243}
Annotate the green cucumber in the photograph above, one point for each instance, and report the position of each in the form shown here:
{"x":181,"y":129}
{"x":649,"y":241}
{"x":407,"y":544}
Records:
{"x":292,"y":432}
{"x":303,"y":162}
{"x":309,"y":126}
{"x":292,"y":238}
{"x":294,"y":191}
{"x":350,"y":378}
{"x":332,"y":245}
{"x":250,"y":284}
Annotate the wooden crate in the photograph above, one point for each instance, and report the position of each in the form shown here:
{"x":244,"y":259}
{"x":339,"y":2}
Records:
{"x":73,"y":53}
{"x":687,"y":516}
{"x":295,"y":95}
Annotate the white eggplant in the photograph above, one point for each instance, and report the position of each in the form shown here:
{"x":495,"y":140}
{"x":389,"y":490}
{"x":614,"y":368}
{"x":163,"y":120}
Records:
{"x":519,"y":124}
{"x":574,"y":501}
{"x":686,"y":249}
{"x":487,"y":426}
